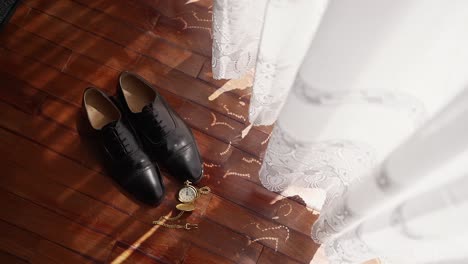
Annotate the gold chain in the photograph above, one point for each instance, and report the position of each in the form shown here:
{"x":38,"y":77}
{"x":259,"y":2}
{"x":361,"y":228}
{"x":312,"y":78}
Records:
{"x":162,"y":222}
{"x":204,"y":190}
{"x":171,"y":218}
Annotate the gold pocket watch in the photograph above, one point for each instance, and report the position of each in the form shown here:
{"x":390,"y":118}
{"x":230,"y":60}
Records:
{"x":187,"y":196}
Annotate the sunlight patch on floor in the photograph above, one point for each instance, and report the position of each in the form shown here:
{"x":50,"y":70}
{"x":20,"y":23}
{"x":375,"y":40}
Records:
{"x":234,"y":84}
{"x":129,"y":251}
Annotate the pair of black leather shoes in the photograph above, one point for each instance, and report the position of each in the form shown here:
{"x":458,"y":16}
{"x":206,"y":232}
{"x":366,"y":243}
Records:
{"x":133,"y":129}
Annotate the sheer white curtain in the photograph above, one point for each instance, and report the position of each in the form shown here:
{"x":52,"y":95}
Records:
{"x":347,"y":82}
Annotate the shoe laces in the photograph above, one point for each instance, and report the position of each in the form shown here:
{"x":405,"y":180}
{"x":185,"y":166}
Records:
{"x":155,"y":119}
{"x":122,"y":140}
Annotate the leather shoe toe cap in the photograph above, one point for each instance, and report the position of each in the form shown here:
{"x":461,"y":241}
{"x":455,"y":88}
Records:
{"x":146,"y":186}
{"x":186,"y":164}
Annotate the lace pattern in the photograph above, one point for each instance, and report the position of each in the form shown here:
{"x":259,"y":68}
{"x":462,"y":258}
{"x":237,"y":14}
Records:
{"x":330,"y":165}
{"x":392,"y":99}
{"x":243,"y":33}
{"x":351,"y":84}
{"x":237,"y":27}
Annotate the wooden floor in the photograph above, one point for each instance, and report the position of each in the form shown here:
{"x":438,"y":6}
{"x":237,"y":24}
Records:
{"x":57,"y":206}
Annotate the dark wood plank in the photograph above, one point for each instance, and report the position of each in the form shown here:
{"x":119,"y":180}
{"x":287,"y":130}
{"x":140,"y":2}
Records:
{"x":270,"y":256}
{"x":231,"y":174}
{"x":213,"y":236}
{"x":94,"y":21}
{"x":17,"y":241}
{"x":44,"y":223}
{"x":137,"y":13}
{"x":223,"y":128}
{"x":166,"y":246}
{"x":56,"y":137}
{"x":11,"y":259}
{"x":123,"y":34}
{"x":88,"y":70}
{"x":83,"y":68}
{"x":19,"y":15}
{"x":20,"y":94}
{"x":126,"y":254}
{"x":32,"y":248}
{"x":79,"y":178}
{"x":80,"y":41}
{"x":52,"y":107}
{"x":178,"y":58}
{"x":190,"y":28}
{"x":298,"y":246}
{"x":245,"y":193}
{"x":27,"y":44}
{"x":196,"y":255}
{"x":61,"y":199}
{"x":209,"y":235}
{"x":51,"y":253}
{"x":42,"y":77}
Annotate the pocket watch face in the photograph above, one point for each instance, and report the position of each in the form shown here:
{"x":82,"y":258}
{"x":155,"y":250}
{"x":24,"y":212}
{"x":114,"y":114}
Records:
{"x":187,"y":194}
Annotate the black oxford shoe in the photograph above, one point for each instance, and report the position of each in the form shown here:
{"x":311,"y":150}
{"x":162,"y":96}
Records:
{"x":165,"y":135}
{"x":125,"y":160}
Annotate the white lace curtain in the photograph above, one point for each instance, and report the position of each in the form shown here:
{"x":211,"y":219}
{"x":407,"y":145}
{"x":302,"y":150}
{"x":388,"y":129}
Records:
{"x":347,"y":83}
